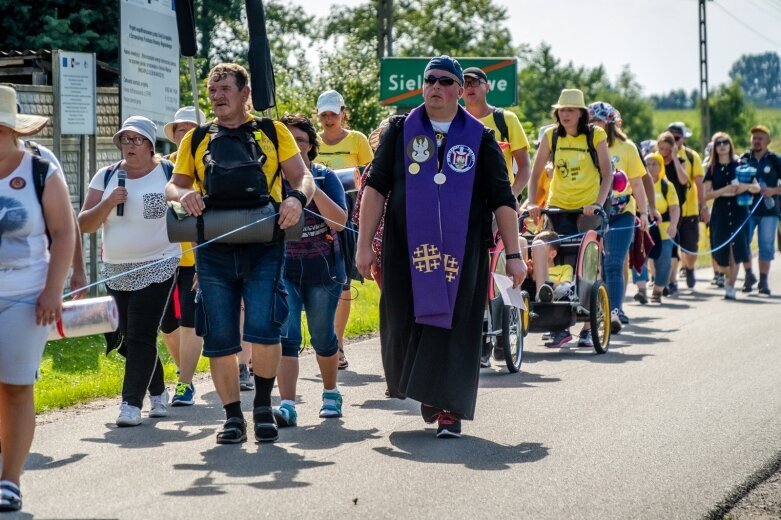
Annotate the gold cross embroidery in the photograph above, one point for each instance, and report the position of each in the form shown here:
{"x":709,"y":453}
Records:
{"x":451,"y":268}
{"x":426,"y":258}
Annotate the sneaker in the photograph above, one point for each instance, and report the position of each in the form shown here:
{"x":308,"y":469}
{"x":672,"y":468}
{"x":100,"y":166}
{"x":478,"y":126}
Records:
{"x":672,"y":290}
{"x":721,"y":280}
{"x":245,"y":380}
{"x":545,"y":294}
{"x":184,"y":395}
{"x":715,"y":281}
{"x":656,"y":297}
{"x":749,"y":281}
{"x":764,"y":289}
{"x":559,"y":338}
{"x":429,"y":413}
{"x":285,"y":415}
{"x":332,"y":405}
{"x":546,"y":336}
{"x":623,"y":317}
{"x":129,"y":415}
{"x":564,"y":291}
{"x":730,"y":293}
{"x":448,"y":426}
{"x":158,"y":405}
{"x":266,"y":429}
{"x":584,"y":339}
{"x":615,"y":322}
{"x":691,"y":281}
{"x":641,"y":298}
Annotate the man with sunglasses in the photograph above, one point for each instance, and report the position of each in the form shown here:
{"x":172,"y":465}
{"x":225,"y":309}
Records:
{"x":506,"y":126}
{"x":693,"y":207}
{"x":444,"y":175}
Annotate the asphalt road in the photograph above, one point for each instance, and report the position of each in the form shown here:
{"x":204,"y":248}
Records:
{"x":684,"y":408}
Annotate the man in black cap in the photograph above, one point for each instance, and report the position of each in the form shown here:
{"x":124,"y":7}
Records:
{"x":505,"y":124}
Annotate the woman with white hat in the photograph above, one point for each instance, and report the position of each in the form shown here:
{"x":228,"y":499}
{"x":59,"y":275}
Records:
{"x":32,"y":277}
{"x":179,"y":332}
{"x":139,"y":262}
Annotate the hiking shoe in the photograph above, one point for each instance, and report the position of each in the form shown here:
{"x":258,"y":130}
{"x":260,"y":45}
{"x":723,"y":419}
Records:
{"x":722,"y":281}
{"x":129,"y":415}
{"x":448,"y":426}
{"x":615,"y":322}
{"x":158,"y":405}
{"x":266,"y":429}
{"x":559,"y":338}
{"x":623,"y":317}
{"x":656,"y":297}
{"x":429,"y":413}
{"x":234,"y":431}
{"x":584,"y":339}
{"x":332,"y":405}
{"x":184,"y":395}
{"x":763,"y":289}
{"x":749,"y":281}
{"x":641,"y":298}
{"x":730,"y":293}
{"x":245,"y":379}
{"x":691,"y":281}
{"x":10,"y":497}
{"x":715,"y":281}
{"x":545,"y":295}
{"x":285,"y":415}
{"x":672,"y":290}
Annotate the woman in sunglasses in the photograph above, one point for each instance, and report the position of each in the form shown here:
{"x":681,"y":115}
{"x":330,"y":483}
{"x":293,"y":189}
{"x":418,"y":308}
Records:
{"x":127,"y":201}
{"x":728,"y":232}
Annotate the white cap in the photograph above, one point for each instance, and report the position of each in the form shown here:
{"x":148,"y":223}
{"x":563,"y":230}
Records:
{"x":330,"y":101}
{"x":183,"y":115}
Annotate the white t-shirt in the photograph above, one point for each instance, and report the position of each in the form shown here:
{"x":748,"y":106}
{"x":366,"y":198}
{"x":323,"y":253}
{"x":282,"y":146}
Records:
{"x":24,"y":248}
{"x":45,"y":153}
{"x":140,"y":234}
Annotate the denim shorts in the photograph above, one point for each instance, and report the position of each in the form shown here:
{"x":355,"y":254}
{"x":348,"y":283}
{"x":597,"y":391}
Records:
{"x":230,"y":275}
{"x":767,"y":236}
{"x":319,"y":301}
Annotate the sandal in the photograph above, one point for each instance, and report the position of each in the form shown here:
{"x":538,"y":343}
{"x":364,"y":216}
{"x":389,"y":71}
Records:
{"x":266,"y":429}
{"x":343,"y":363}
{"x":10,"y":496}
{"x":234,"y":431}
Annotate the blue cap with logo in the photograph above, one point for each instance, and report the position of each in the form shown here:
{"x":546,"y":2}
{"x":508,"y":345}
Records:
{"x":448,"y":64}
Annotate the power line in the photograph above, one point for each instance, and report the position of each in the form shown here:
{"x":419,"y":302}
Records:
{"x":764,"y":8}
{"x":747,"y":26}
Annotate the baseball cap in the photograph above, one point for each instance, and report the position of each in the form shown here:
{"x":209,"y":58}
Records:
{"x":330,"y":101}
{"x":679,"y":127}
{"x":475,"y":72}
{"x":760,"y":128}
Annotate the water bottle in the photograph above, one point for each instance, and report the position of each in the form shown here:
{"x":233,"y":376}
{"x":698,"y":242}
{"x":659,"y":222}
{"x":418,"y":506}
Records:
{"x":767,"y":200}
{"x":745,"y":174}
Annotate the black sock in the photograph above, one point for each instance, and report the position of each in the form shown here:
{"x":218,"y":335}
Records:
{"x":763,"y":278}
{"x":233,"y":410}
{"x":263,"y":388}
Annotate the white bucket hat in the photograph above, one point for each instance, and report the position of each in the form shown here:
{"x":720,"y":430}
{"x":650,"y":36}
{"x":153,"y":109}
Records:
{"x":22,"y":124}
{"x":140,"y":125}
{"x":183,"y":115}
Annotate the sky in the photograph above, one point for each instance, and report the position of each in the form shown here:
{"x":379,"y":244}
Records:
{"x":659,"y":39}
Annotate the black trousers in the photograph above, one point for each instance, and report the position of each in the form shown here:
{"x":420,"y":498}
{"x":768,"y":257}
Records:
{"x":140,"y":312}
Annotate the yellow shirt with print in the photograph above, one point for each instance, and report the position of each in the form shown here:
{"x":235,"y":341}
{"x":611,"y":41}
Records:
{"x":663,"y":204}
{"x":186,"y":165}
{"x":516,"y":135}
{"x":560,"y":273}
{"x":691,"y":207}
{"x":353,"y":150}
{"x":576,"y":179}
{"x":626,"y":158}
{"x":188,"y":255}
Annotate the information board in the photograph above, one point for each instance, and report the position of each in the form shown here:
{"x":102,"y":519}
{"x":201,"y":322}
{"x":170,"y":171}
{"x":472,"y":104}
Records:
{"x":76,"y":90}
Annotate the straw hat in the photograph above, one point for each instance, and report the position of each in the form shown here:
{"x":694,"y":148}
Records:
{"x":183,"y":115}
{"x":22,"y":124}
{"x":571,"y":98}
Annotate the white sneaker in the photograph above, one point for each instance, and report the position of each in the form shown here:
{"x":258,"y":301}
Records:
{"x":129,"y":415}
{"x":615,"y":322}
{"x":158,"y":405}
{"x":564,"y":291}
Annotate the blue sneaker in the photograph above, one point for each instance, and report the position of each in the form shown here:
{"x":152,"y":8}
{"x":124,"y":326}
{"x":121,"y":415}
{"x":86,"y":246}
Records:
{"x":184,"y":395}
{"x":332,"y":405}
{"x":286,"y":415}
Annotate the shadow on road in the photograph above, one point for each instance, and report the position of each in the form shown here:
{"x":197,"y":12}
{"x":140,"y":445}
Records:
{"x":504,"y":379}
{"x":566,"y":354}
{"x":149,"y":436}
{"x":470,"y":452}
{"x":399,"y":406}
{"x":38,"y":461}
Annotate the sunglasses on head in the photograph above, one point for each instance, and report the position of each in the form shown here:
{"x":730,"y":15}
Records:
{"x":721,"y":142}
{"x":443,"y":80}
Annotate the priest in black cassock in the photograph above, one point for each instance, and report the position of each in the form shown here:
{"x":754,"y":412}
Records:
{"x":444,"y":176}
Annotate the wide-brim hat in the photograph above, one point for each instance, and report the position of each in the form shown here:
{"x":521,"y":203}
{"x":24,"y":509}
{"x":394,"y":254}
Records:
{"x":140,"y":125}
{"x":183,"y":115}
{"x":571,"y":98}
{"x":22,"y":124}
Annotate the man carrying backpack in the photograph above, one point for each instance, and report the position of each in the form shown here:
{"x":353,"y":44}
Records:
{"x":233,"y":162}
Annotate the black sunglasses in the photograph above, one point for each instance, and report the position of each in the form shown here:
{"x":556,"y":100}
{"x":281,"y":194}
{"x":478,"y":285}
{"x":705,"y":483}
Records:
{"x":678,"y":137}
{"x":443,"y":80}
{"x":721,"y":142}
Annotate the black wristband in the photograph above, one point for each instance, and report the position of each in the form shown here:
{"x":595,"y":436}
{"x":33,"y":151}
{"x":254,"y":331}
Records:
{"x":512,"y":256}
{"x":298,"y":194}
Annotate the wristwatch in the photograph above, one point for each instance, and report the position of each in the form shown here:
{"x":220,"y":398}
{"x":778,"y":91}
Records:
{"x":298,"y":194}
{"x":512,"y":256}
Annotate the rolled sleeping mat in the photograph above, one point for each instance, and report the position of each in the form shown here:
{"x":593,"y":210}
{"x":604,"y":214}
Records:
{"x":348,"y":176}
{"x":261,"y":225}
{"x":86,"y":317}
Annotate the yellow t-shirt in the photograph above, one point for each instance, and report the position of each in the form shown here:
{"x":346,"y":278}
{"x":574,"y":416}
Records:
{"x":663,"y":204}
{"x":516,"y":135}
{"x":188,"y":257}
{"x":560,"y":273}
{"x":626,"y":158}
{"x":353,"y":150}
{"x":691,"y":207}
{"x":576,"y":179}
{"x":186,"y":165}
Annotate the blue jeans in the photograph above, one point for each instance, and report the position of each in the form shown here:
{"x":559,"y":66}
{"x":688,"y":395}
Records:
{"x":661,"y":265}
{"x":319,"y":301}
{"x":229,"y":275}
{"x":617,"y":242}
{"x":767,"y":235}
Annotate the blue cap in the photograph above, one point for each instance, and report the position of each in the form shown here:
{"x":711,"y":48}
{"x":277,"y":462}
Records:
{"x":446,"y":63}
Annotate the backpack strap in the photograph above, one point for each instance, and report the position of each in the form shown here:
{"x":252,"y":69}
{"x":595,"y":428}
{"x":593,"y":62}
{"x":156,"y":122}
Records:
{"x":109,"y":173}
{"x":665,"y":189}
{"x":689,"y":156}
{"x":40,"y":169}
{"x":168,"y":168}
{"x":266,"y":125}
{"x":554,"y":143}
{"x":32,"y":147}
{"x":199,"y":134}
{"x":501,"y":124}
{"x":592,"y":151}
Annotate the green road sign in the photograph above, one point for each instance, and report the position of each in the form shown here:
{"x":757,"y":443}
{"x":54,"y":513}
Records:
{"x":401,"y":80}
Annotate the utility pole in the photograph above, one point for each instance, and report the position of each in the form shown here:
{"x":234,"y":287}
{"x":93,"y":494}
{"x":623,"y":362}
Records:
{"x":704,"y":101}
{"x":384,"y":28}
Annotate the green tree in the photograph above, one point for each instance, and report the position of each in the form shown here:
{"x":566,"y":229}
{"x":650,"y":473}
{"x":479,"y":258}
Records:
{"x":730,"y":113}
{"x":760,"y":77}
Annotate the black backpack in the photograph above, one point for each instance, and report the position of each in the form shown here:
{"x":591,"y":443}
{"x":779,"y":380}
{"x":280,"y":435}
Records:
{"x":501,"y":125}
{"x":40,"y":169}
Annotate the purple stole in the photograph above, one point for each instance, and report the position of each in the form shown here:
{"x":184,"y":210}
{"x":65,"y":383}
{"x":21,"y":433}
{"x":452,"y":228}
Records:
{"x":438,"y":203}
